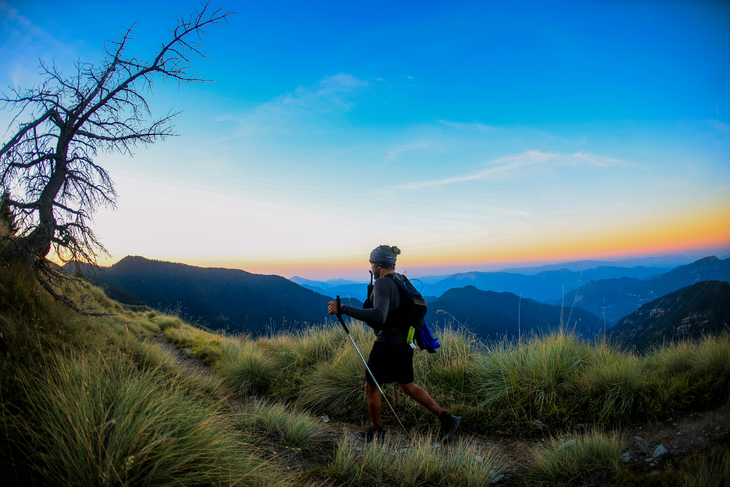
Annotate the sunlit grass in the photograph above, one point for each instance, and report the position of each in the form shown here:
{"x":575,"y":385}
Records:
{"x":206,"y":346}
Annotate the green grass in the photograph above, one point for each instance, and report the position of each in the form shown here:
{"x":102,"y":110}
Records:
{"x":577,"y":461}
{"x":523,"y":381}
{"x":420,"y":463}
{"x":247,"y":368}
{"x":337,"y":384}
{"x":556,"y":379}
{"x":98,"y":421}
{"x":614,"y":383}
{"x":94,"y":401}
{"x":447,"y":373}
{"x":714,"y":364}
{"x":204,"y":345}
{"x":295,"y":429}
{"x":560,"y":381}
{"x":712,"y":469}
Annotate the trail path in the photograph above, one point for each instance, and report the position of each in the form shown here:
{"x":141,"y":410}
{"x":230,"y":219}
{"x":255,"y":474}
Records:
{"x":681,"y":436}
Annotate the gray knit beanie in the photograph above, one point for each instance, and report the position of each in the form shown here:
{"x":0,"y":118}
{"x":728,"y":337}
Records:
{"x":384,"y":256}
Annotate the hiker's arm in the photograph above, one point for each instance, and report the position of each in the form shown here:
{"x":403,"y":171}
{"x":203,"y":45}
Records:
{"x":373,"y":316}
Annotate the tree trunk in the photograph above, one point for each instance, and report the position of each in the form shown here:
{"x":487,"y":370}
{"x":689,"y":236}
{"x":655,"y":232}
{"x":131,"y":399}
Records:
{"x":38,"y":242}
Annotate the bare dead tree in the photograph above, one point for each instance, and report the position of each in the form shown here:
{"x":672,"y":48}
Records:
{"x":47,"y":168}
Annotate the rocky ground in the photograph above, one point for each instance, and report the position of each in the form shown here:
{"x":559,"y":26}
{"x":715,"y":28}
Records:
{"x":655,"y":447}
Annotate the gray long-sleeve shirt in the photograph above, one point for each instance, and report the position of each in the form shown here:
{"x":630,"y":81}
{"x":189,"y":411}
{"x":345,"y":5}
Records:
{"x":385,"y":299}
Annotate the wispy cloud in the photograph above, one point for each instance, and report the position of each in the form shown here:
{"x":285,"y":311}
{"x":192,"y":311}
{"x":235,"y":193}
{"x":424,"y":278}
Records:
{"x":579,"y":158}
{"x":507,"y":166}
{"x":497,"y":167}
{"x":394,"y":152}
{"x":332,"y":91}
{"x":332,"y":95}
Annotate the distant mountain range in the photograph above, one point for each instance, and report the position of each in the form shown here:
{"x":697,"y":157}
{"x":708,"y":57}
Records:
{"x":492,"y":315}
{"x":608,"y":292}
{"x":688,"y":313}
{"x":612,"y":299}
{"x":335,"y":287}
{"x":218,"y":298}
{"x":240,"y":301}
{"x":666,"y":262}
{"x":544,"y":286}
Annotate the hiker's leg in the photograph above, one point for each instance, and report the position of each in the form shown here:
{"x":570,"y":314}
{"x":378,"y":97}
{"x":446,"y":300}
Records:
{"x":375,"y":405}
{"x":422,"y":397}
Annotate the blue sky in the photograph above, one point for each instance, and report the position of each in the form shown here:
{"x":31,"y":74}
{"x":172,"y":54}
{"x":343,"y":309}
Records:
{"x":474,"y":135}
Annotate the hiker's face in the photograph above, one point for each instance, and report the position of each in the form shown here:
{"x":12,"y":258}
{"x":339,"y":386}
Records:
{"x":376,"y":271}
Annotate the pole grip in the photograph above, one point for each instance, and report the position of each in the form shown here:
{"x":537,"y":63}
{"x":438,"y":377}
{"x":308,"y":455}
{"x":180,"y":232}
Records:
{"x":339,"y":316}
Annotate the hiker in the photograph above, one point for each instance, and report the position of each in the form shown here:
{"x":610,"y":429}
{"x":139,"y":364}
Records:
{"x":391,"y":358}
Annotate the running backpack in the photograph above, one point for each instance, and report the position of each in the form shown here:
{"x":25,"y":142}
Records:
{"x":412,"y":305}
{"x":413,"y":311}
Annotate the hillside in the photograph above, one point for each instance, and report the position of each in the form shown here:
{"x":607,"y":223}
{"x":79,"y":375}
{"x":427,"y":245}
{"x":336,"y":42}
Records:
{"x":491,"y":315}
{"x":689,"y":313}
{"x":612,"y":299}
{"x":142,"y":398}
{"x":226,"y":299}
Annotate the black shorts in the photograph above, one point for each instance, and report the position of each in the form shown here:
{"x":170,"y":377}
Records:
{"x":390,"y":363}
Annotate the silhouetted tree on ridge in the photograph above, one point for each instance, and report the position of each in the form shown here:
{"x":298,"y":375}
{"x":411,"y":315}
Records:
{"x":48,"y":172}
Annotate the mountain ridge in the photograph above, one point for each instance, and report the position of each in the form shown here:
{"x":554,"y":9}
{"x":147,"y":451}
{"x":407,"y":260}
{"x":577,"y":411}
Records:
{"x":616,"y":298}
{"x":220,"y":298}
{"x":485,"y":313}
{"x":703,"y":308}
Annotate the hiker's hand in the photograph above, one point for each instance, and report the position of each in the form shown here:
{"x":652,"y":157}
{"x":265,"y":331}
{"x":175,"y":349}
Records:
{"x":332,"y":307}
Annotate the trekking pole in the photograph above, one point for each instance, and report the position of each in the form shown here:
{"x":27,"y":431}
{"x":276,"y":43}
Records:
{"x":342,"y":322}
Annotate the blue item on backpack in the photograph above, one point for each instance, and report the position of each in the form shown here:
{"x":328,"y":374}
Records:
{"x":426,"y":341}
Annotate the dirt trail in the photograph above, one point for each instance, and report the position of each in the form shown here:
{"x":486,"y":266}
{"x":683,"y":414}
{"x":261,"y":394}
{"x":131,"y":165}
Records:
{"x":681,"y":436}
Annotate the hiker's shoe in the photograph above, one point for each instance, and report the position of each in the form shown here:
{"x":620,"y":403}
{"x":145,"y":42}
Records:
{"x":449,"y":423}
{"x":370,"y":434}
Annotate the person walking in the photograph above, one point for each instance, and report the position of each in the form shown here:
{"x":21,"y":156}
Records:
{"x":391,"y":358}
